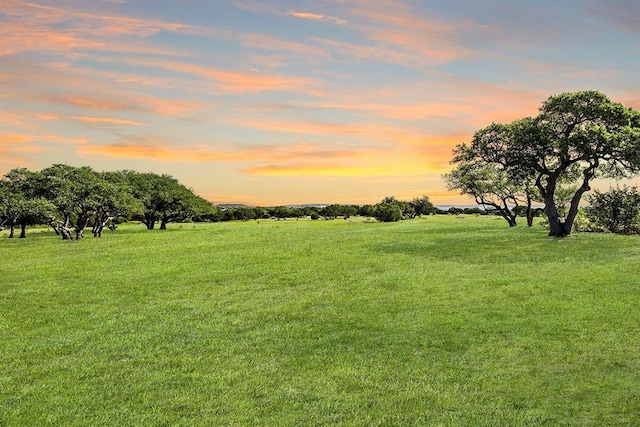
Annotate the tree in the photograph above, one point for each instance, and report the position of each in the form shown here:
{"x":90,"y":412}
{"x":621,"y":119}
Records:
{"x":389,"y":209}
{"x":20,"y":206}
{"x":62,"y":185}
{"x":575,"y":138}
{"x":244,"y":213}
{"x":165,"y":199}
{"x":335,"y":210}
{"x":260,"y":213}
{"x":422,"y":206}
{"x":114,"y":198}
{"x":80,"y":195}
{"x":280,"y":212}
{"x":483,"y":174}
{"x":617,"y":211}
{"x":581,"y":134}
{"x":367,"y":211}
{"x":489,"y":185}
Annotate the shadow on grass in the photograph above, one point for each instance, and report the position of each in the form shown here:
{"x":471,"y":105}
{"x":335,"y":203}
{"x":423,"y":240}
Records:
{"x":513,"y":247}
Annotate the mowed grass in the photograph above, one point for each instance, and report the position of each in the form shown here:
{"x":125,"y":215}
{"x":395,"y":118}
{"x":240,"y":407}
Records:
{"x":439,"y":321}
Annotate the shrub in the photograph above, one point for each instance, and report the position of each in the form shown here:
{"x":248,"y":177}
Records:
{"x":617,"y":210}
{"x":388,"y":212}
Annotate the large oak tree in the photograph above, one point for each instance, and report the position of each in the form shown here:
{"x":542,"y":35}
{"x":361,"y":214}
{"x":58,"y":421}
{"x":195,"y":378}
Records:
{"x":575,"y":138}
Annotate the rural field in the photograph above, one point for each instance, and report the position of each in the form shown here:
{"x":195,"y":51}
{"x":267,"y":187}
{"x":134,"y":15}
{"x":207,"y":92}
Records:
{"x":436,"y":321}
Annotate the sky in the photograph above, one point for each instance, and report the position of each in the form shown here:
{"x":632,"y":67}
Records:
{"x":292,"y":102}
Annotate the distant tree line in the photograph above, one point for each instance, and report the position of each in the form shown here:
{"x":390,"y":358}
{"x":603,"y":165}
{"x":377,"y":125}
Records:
{"x":390,"y":209}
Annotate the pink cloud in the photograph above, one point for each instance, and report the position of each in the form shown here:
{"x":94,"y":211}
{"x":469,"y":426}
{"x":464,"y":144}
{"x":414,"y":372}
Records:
{"x":234,"y":81}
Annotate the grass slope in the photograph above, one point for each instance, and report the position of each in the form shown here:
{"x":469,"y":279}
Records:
{"x":439,"y":321}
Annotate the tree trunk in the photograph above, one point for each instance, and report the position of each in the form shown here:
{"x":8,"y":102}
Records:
{"x":23,"y":231}
{"x":11,"y":231}
{"x":163,"y":224}
{"x":529,"y":212}
{"x":556,"y":227}
{"x":149,"y":221}
{"x":80,"y":226}
{"x":575,"y":201}
{"x":65,"y":231}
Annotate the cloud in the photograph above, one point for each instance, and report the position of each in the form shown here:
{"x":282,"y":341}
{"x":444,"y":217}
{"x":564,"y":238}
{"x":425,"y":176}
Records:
{"x":106,"y":120}
{"x":391,"y":24}
{"x":624,"y":14}
{"x":270,"y":43}
{"x":119,"y":104}
{"x":16,"y":140}
{"x":16,"y":148}
{"x":318,"y":17}
{"x":86,"y":23}
{"x":231,"y":81}
{"x":12,"y":139}
{"x":297,"y":159}
{"x":31,"y":27}
{"x":142,"y":149}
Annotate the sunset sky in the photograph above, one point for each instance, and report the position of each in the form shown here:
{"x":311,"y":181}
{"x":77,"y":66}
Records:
{"x":291,"y":102}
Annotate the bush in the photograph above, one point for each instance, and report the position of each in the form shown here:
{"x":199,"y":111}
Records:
{"x":616,"y":211}
{"x":388,"y":212}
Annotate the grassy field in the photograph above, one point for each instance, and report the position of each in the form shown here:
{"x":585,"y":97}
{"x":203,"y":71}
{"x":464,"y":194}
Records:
{"x":438,"y":321}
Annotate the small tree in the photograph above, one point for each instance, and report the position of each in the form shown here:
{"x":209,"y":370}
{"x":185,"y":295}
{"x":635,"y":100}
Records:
{"x":617,"y":210}
{"x":489,"y":185}
{"x":422,"y":206}
{"x":482,"y":173}
{"x":389,"y":209}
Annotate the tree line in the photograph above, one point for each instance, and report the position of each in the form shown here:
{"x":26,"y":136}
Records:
{"x":389,"y":209}
{"x":551,"y":158}
{"x":70,"y":199}
{"x":73,"y":199}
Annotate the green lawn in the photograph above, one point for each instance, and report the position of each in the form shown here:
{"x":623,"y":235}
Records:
{"x":439,"y":321}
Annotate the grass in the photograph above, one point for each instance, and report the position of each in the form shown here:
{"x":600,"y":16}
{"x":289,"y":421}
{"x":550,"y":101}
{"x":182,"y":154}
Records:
{"x":438,"y":321}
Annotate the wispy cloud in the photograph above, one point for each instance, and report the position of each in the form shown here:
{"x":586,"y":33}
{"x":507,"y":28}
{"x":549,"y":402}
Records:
{"x":106,"y":120}
{"x":16,"y":149}
{"x":625,"y":14}
{"x":318,"y":17}
{"x":199,"y":154}
{"x":232,"y":81}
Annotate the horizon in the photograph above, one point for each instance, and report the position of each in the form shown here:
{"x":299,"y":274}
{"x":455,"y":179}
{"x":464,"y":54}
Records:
{"x":270,"y":103}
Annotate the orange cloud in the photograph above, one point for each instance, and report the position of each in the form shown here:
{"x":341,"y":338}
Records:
{"x":198,"y":154}
{"x":101,"y":25}
{"x":106,"y":120}
{"x":14,"y":145}
{"x":131,"y":102}
{"x":233,"y":81}
{"x":15,"y":139}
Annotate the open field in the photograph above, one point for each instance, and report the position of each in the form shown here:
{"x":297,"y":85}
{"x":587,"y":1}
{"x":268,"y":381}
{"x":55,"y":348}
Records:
{"x":437,"y":321}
